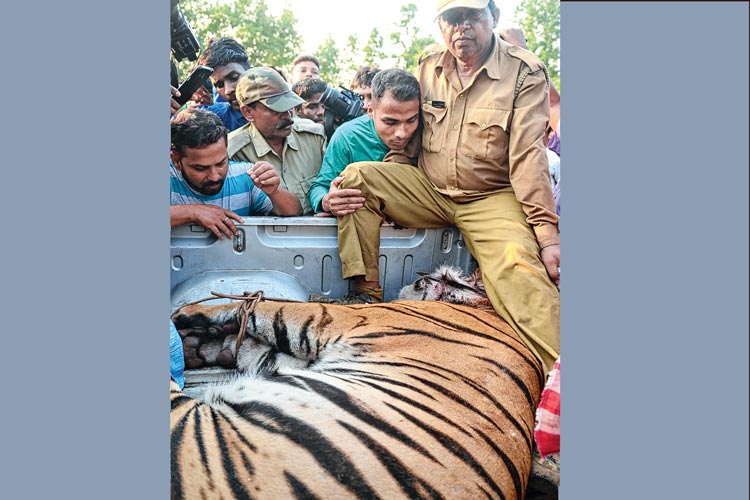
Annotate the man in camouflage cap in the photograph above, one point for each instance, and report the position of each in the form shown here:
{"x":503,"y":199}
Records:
{"x":294,"y":148}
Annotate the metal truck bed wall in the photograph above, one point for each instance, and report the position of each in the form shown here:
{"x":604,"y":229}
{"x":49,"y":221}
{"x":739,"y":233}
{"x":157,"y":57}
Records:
{"x":293,"y":257}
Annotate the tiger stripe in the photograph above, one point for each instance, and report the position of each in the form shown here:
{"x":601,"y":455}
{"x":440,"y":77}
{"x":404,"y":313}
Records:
{"x":383,"y":401}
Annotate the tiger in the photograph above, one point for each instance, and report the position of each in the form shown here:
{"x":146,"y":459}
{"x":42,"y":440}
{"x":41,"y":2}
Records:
{"x":449,"y":284}
{"x":398,"y":400}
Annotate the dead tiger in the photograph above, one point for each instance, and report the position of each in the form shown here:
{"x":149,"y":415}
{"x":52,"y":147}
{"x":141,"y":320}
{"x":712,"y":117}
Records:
{"x":393,"y":401}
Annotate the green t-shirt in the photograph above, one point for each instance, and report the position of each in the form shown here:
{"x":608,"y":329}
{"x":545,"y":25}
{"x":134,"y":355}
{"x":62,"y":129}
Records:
{"x":353,"y":141}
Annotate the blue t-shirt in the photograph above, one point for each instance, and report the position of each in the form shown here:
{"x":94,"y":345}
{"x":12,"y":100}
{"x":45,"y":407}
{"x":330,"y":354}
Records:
{"x":231,"y":117}
{"x":353,"y":141}
{"x":238,"y":193}
{"x":176,"y":357}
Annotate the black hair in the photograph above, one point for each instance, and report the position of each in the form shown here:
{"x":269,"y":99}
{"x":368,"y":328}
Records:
{"x":402,"y":85}
{"x":305,"y":57}
{"x":363,"y":77}
{"x":223,"y":51}
{"x":308,"y":87}
{"x":196,"y":128}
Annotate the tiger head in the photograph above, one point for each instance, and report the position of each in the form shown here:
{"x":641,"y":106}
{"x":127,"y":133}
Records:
{"x":447,"y":284}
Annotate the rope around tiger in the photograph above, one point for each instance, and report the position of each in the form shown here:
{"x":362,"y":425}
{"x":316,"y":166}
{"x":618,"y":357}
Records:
{"x":397,"y":400}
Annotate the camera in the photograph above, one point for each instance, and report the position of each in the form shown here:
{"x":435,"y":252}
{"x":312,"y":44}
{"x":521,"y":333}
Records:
{"x":184,"y":42}
{"x":340,"y":107}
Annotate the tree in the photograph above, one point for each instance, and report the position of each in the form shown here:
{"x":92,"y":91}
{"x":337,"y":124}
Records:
{"x":373,"y":50}
{"x":540,"y":22}
{"x":408,"y":37}
{"x":268,"y":40}
{"x":328,"y":55}
{"x":349,"y":58}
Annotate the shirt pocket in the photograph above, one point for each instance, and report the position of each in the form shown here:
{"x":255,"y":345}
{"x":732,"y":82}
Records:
{"x":484,"y":134}
{"x":433,"y":123}
{"x":305,"y":184}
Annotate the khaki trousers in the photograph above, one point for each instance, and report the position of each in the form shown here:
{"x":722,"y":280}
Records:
{"x":494,"y":227}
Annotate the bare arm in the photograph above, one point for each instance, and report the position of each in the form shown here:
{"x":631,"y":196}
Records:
{"x":267,"y":180}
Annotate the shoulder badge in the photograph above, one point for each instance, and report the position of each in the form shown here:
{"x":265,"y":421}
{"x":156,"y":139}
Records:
{"x":532,"y":62}
{"x":309,"y":126}
{"x":429,"y":51}
{"x":237,"y":139}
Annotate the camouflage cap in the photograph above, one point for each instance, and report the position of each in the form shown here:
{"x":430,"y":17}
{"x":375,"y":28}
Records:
{"x":266,"y":85}
{"x":444,"y":5}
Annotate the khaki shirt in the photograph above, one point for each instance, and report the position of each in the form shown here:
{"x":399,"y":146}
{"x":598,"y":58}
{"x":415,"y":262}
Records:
{"x":301,"y":158}
{"x":480,"y":142}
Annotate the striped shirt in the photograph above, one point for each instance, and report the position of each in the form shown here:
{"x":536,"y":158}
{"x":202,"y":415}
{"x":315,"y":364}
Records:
{"x":238,"y":194}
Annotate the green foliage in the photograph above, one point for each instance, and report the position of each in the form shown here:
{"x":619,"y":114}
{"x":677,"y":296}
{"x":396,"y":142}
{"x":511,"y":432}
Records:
{"x":268,"y":40}
{"x":408,"y":38}
{"x":274,"y":40}
{"x":328,"y":55}
{"x":540,"y":22}
{"x":373,"y":50}
{"x":349,"y":57}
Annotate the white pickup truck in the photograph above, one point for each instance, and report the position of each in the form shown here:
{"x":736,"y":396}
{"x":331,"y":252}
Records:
{"x":292,"y":258}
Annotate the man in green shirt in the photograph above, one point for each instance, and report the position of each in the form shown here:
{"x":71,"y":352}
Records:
{"x":391,"y":120}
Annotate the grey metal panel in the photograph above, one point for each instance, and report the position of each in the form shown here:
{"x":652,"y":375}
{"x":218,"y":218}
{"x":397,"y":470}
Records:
{"x":292,"y":257}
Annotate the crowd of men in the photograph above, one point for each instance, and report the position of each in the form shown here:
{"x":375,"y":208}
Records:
{"x":468,"y":141}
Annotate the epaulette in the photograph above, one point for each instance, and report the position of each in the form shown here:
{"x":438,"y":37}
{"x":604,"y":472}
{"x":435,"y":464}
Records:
{"x":237,"y":139}
{"x":530,"y":59}
{"x":431,"y":50}
{"x":309,"y":126}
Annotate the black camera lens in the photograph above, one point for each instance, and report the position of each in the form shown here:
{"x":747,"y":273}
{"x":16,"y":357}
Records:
{"x":346,"y":105}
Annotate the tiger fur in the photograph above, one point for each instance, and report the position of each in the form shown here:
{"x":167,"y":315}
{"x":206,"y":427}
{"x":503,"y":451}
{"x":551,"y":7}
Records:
{"x":385,"y":401}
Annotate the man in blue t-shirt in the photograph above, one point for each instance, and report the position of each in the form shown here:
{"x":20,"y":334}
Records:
{"x":391,"y":120}
{"x":229,"y":60}
{"x":207,"y":190}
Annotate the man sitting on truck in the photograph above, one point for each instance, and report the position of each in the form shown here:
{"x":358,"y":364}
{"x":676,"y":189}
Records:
{"x":209,"y":190}
{"x":482,"y":167}
{"x":391,"y":120}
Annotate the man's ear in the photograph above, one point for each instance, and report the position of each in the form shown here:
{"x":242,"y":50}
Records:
{"x":495,"y":17}
{"x":370,"y":111}
{"x":247,"y":112}
{"x":175,"y":157}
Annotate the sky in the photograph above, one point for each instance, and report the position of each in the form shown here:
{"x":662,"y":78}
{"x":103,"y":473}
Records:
{"x":316,"y":19}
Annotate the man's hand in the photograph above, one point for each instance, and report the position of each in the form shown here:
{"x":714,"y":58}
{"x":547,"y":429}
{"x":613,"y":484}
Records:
{"x":342,"y":201}
{"x":174,"y":106}
{"x":202,"y":96}
{"x":265,"y":177}
{"x":215,"y":219}
{"x":551,"y":260}
{"x":267,"y":180}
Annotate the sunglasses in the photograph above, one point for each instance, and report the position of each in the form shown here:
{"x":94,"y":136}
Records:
{"x":455,"y":17}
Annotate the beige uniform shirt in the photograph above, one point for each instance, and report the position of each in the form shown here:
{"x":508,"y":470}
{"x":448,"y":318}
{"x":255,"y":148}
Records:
{"x":301,"y":157}
{"x":475,"y":140}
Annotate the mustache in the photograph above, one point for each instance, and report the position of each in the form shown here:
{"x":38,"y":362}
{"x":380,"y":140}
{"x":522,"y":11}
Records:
{"x":284,"y":123}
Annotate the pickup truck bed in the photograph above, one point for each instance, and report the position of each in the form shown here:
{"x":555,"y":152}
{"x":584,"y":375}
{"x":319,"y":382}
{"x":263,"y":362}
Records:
{"x":291,"y":258}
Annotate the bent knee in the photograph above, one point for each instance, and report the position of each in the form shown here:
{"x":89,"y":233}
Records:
{"x":358,"y":173}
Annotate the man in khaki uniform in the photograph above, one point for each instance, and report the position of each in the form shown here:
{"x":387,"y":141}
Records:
{"x":294,"y":148}
{"x":482,"y":167}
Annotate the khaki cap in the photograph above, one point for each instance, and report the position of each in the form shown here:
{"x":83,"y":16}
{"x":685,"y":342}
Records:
{"x":444,"y":5}
{"x":266,"y":85}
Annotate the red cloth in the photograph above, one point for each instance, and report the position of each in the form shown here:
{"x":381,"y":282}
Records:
{"x":547,"y":428}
